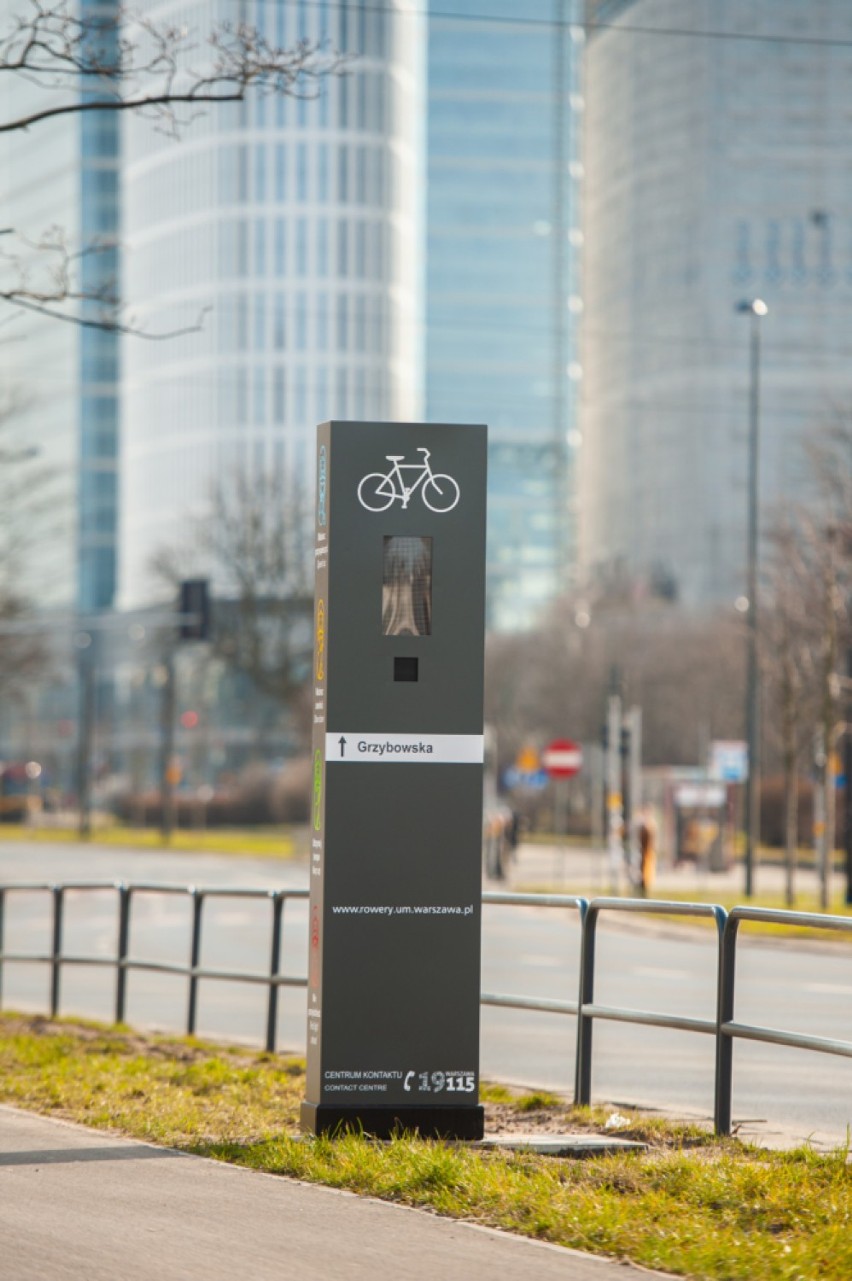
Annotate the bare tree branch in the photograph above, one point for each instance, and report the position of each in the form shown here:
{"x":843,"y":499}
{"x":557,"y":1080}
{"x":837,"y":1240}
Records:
{"x":258,"y":538}
{"x":126,"y":62}
{"x":39,"y":276}
{"x":114,"y":326}
{"x":256,"y":546}
{"x":28,"y":505}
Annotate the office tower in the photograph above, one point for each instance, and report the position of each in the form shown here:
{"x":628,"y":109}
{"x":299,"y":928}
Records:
{"x":60,"y":186}
{"x":718,"y":172}
{"x":100,"y":275}
{"x":502,"y":276}
{"x":293,"y":228}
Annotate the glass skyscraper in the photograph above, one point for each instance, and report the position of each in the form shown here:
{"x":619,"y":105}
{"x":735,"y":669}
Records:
{"x":60,"y":380}
{"x":294,"y":227}
{"x":502,"y":284}
{"x":718,"y":172}
{"x":100,"y":277}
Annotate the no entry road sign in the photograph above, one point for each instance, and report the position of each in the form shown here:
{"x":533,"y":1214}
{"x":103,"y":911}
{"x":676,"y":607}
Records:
{"x":562,"y":758}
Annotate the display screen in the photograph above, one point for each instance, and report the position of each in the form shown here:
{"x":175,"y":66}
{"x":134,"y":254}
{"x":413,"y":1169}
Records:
{"x":407,"y":587}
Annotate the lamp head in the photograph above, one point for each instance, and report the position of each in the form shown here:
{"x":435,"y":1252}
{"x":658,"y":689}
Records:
{"x":756,"y":306}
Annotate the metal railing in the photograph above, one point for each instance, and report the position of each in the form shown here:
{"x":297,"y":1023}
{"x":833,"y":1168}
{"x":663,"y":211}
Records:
{"x":538,"y":1003}
{"x":729,"y":1031}
{"x":589,"y":1011}
{"x":723,"y":1027}
{"x":123,"y":963}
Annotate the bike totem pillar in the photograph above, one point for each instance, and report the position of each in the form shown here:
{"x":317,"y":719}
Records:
{"x":394,"y":952}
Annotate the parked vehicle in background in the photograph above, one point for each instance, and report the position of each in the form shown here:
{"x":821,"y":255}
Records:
{"x":20,"y":791}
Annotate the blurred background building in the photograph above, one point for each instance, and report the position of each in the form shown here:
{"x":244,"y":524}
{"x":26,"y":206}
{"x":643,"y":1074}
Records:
{"x":502,"y":273}
{"x":405,"y":244}
{"x":99,"y":361}
{"x":718,"y":170}
{"x":287,"y":261}
{"x":294,"y":227}
{"x":422,"y":239}
{"x":61,"y":380}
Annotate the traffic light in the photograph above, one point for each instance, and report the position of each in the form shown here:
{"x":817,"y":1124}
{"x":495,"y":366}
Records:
{"x":194,"y":609}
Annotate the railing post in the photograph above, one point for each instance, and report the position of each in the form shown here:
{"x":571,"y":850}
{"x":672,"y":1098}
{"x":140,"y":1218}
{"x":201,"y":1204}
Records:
{"x":278,"y":902}
{"x":725,"y":1014}
{"x":195,"y":956}
{"x":56,"y":949}
{"x":583,"y":1071}
{"x":121,"y":958}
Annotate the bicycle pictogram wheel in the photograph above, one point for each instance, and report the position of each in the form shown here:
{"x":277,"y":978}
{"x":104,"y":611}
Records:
{"x":440,"y":493}
{"x":376,"y":492}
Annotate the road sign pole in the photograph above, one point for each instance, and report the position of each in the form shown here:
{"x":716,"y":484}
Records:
{"x":560,"y":789}
{"x":633,"y":722}
{"x":614,"y":796}
{"x":562,"y":759}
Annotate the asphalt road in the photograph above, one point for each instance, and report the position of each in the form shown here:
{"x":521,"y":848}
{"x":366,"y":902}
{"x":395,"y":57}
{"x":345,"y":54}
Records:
{"x":76,"y":1204}
{"x":780,"y":1094}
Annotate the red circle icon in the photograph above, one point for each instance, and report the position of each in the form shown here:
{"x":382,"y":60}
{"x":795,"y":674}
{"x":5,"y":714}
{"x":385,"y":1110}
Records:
{"x":562,"y":758}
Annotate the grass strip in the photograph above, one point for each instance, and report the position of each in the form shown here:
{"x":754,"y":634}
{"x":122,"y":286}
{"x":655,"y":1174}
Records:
{"x":267,"y":842}
{"x":690,"y":1205}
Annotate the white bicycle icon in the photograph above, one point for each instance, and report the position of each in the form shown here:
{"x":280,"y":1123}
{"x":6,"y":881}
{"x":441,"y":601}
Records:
{"x":377,"y":490}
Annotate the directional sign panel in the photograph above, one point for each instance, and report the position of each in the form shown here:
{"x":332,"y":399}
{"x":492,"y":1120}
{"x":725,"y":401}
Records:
{"x":729,"y":760}
{"x":419,"y":749}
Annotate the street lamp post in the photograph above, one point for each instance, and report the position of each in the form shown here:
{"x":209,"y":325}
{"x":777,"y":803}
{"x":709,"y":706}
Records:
{"x":756,"y":308}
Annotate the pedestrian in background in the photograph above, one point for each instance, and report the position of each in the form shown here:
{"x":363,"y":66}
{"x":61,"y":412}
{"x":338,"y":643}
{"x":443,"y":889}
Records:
{"x":647,"y":834}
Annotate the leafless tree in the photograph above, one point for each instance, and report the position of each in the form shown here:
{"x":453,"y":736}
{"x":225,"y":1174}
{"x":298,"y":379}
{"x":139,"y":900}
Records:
{"x":255,"y":544}
{"x":787,"y":664}
{"x":28,"y":500}
{"x":829,"y":534}
{"x":44,"y":276}
{"x":681,"y":669}
{"x":806,"y":626}
{"x":259,"y":541}
{"x":829,"y":452}
{"x":128,"y":62}
{"x":77,"y":64}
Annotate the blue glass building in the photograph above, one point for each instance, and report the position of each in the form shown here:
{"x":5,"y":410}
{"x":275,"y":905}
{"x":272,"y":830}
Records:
{"x":503,"y":303}
{"x":99,"y":348}
{"x":60,"y":379}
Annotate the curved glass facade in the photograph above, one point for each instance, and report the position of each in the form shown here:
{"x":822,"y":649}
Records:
{"x":505,"y":112}
{"x":294,"y":225}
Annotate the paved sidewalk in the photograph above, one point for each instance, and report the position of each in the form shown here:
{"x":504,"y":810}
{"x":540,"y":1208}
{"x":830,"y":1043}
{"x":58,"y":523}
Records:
{"x":78,"y":1205}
